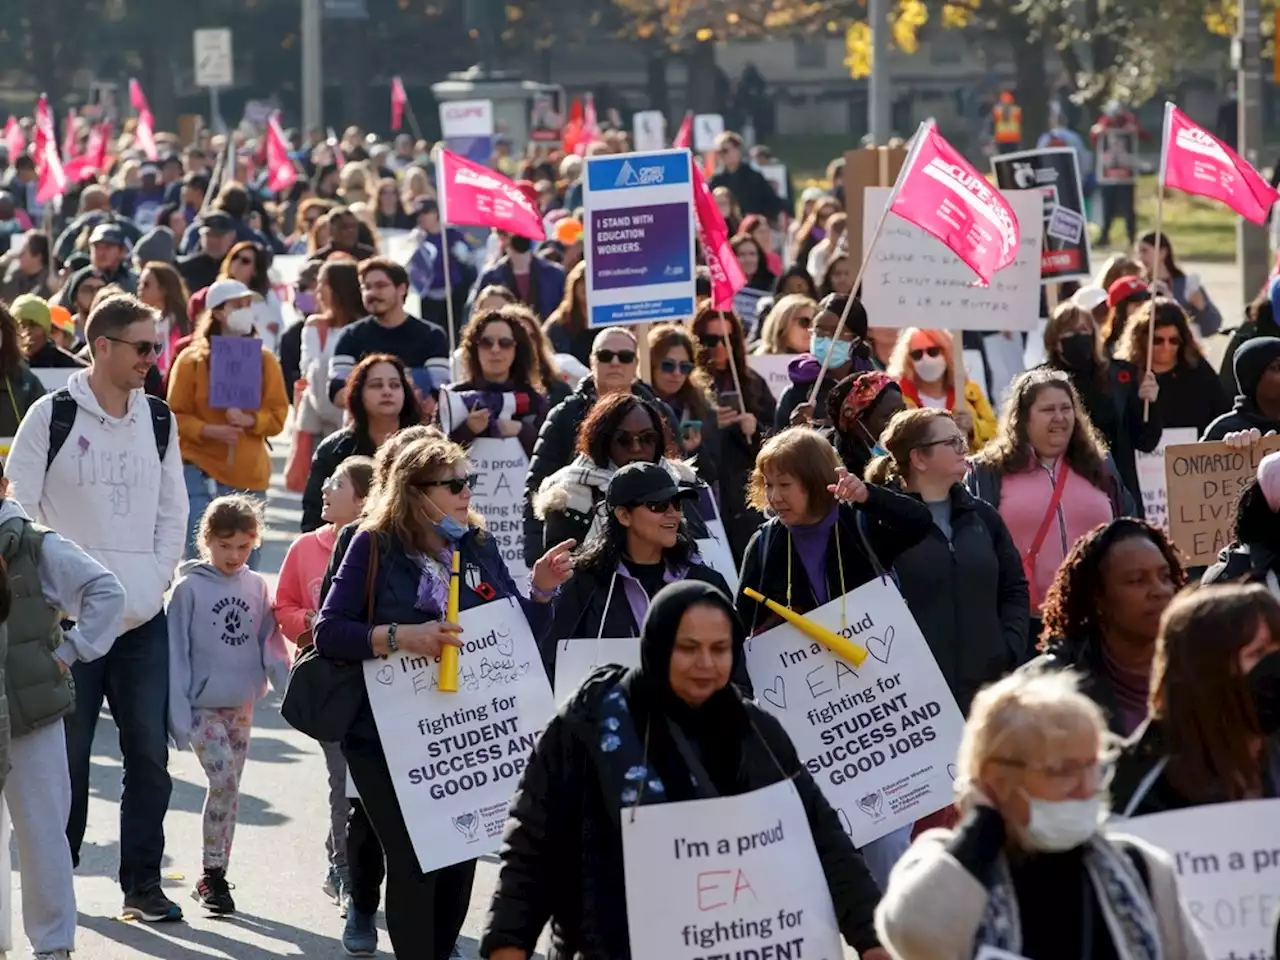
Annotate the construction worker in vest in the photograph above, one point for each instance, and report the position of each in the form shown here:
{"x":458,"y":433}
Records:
{"x":1006,"y":120}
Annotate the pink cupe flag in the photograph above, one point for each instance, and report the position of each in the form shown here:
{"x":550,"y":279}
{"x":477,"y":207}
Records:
{"x":472,"y":195}
{"x":684,"y":136}
{"x":94,"y":158}
{"x":70,"y":142}
{"x":51,"y":178}
{"x":727,"y":277}
{"x":398,"y":99}
{"x":947,"y":198}
{"x":144,"y":133}
{"x":1195,"y":161}
{"x":138,"y":99}
{"x":14,"y":138}
{"x":281,"y":173}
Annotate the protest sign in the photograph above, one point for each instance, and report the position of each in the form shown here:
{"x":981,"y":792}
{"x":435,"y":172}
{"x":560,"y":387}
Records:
{"x":649,"y":130}
{"x":911,"y":272}
{"x":499,"y":497}
{"x":455,"y":758}
{"x":1117,"y":156}
{"x":877,"y":738}
{"x":714,"y":548}
{"x":776,"y":174}
{"x":54,"y":378}
{"x":1055,"y":173}
{"x":575,"y":659}
{"x":773,"y":368}
{"x":235,"y":373}
{"x":1228,"y":860}
{"x":1004,"y":357}
{"x":745,"y":304}
{"x":546,"y":116}
{"x":1151,"y":478}
{"x":1203,"y":482}
{"x":728,"y":877}
{"x":706,"y":127}
{"x":639,"y":249}
{"x":467,"y":128}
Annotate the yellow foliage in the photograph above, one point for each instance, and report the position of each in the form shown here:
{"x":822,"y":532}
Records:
{"x":857,"y":49}
{"x":704,"y":34}
{"x":954,"y":16}
{"x":905,"y":23}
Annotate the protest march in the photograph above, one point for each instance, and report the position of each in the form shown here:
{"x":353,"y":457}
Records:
{"x":675,"y":564}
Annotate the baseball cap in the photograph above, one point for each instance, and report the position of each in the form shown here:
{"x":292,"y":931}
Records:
{"x":567,"y":231}
{"x":425,"y":205}
{"x":638,"y":483}
{"x":61,"y":318}
{"x":1089,"y":298}
{"x":107,"y":233}
{"x":149,"y":170}
{"x":29,"y":308}
{"x":1127,"y":288}
{"x":218,"y":222}
{"x":220,"y":291}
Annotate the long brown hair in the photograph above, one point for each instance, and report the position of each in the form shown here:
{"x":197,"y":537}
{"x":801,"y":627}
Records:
{"x":1199,"y":694}
{"x":567,"y":314}
{"x":696,"y":394}
{"x":174,"y":289}
{"x":1066,"y":316}
{"x":753,"y":386}
{"x":399,"y":508}
{"x":1167,"y":313}
{"x":904,"y":432}
{"x":259,"y":283}
{"x":544,"y":358}
{"x":524,"y":368}
{"x":343,"y":304}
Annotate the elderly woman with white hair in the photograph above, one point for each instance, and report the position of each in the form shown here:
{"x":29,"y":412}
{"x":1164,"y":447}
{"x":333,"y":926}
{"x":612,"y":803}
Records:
{"x":1030,"y":869}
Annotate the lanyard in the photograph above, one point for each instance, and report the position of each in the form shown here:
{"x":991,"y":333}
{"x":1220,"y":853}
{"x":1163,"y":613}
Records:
{"x":844,"y":620}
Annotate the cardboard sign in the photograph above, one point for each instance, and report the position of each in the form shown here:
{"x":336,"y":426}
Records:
{"x":776,"y":174}
{"x":706,"y":127}
{"x":1228,"y":860}
{"x":1204,"y":481}
{"x":879,"y":739}
{"x":773,"y":368}
{"x":649,"y":130}
{"x":575,"y":659}
{"x":235,"y":373}
{"x":499,"y":497}
{"x":1151,"y":477}
{"x":714,"y":549}
{"x":911,"y":274}
{"x":1117,"y":156}
{"x":455,"y":758}
{"x":730,"y":877}
{"x":1055,"y":173}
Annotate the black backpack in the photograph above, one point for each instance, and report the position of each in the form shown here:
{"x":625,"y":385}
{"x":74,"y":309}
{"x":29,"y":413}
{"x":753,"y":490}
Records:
{"x":64,"y":419}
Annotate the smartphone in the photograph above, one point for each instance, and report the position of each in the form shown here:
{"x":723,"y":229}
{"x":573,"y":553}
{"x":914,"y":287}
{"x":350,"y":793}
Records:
{"x":728,"y":399}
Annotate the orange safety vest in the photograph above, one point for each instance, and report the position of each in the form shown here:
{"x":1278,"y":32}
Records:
{"x":1008,"y":123}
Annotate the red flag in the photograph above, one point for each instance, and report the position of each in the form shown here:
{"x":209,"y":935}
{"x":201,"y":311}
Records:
{"x":589,"y":132}
{"x":137,"y":98}
{"x":571,"y":136}
{"x":70,"y":142}
{"x":14,"y":138}
{"x":94,"y":158}
{"x":398,"y":99}
{"x":944,"y":196}
{"x":684,"y":136}
{"x":472,"y":195}
{"x":51,"y":178}
{"x":144,"y":133}
{"x":1195,"y":161}
{"x":281,"y":173}
{"x":727,"y":277}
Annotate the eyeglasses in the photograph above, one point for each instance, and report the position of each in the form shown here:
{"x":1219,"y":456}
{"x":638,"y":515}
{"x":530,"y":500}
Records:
{"x":332,"y":483}
{"x":455,"y":484}
{"x":683,"y":367}
{"x":636,"y":441}
{"x":1166,"y":341}
{"x":957,"y":443}
{"x":661,"y":506}
{"x":145,"y":348}
{"x":918,"y":355}
{"x":622,"y":356}
{"x":1095,"y":775}
{"x":711,"y":340}
{"x":501,"y":343}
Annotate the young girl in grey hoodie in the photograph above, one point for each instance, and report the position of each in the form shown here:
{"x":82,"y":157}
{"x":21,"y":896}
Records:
{"x":224,"y":647}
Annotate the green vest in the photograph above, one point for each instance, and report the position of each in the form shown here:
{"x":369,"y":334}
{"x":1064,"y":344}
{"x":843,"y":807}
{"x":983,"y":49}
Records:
{"x":38,"y":692}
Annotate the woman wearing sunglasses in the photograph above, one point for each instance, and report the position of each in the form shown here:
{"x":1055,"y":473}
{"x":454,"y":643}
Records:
{"x":224,"y":448}
{"x":248,"y":263}
{"x":686,"y":390}
{"x":923,"y":363}
{"x":786,"y":328}
{"x":419,"y":517}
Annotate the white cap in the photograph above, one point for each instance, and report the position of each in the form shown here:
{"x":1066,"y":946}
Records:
{"x":1089,"y":298}
{"x":220,"y":291}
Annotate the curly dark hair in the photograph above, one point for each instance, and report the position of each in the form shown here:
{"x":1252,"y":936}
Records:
{"x":524,"y":366}
{"x":606,"y":548}
{"x":1070,"y":607}
{"x":410,"y":413}
{"x":1132,"y":345}
{"x":1256,"y":522}
{"x":607,"y":415}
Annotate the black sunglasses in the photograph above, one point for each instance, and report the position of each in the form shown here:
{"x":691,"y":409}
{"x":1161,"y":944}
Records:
{"x":712,"y":339}
{"x":455,"y":484}
{"x":505,"y":343}
{"x":919,"y":355}
{"x":661,"y":506}
{"x":145,"y":348}
{"x":635,"y":441}
{"x":622,"y":356}
{"x":804,"y":321}
{"x":247,"y":260}
{"x":672,"y":366}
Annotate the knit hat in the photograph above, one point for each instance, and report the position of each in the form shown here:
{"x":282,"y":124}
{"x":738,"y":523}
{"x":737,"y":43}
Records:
{"x":61,"y":318}
{"x":1269,"y":480}
{"x":29,"y":308}
{"x":1251,"y":362}
{"x":156,"y":244}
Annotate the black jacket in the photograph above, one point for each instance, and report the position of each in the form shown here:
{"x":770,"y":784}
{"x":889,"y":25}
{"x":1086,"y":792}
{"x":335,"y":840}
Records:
{"x":332,"y":450}
{"x":562,"y":855}
{"x":1244,"y":415}
{"x":554,"y":449}
{"x":290,"y":351}
{"x":752,"y":191}
{"x":1191,"y":397}
{"x":198,"y":269}
{"x":969,"y":595}
{"x":736,"y":458}
{"x":1083,"y":656}
{"x":892,"y":522}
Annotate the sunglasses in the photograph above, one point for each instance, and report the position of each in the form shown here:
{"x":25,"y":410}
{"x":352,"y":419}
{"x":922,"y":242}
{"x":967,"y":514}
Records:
{"x":622,"y":356}
{"x":244,"y":260}
{"x":957,"y":443}
{"x":712,"y":339}
{"x":661,"y":506}
{"x":918,"y":355}
{"x":455,"y":484}
{"x":636,"y":441}
{"x":683,"y":367}
{"x":145,"y":348}
{"x":1167,"y":341}
{"x":501,"y":343}
{"x":803,"y":321}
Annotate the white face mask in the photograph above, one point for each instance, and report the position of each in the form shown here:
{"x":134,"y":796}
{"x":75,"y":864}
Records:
{"x":1058,"y":825}
{"x":239,"y":322}
{"x":930,"y":369}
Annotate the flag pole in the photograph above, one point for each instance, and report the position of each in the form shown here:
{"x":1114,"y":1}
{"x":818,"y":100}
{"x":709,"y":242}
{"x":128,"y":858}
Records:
{"x":916,"y":143}
{"x":1155,"y":270}
{"x":733,"y":368}
{"x":442,"y":179}
{"x":412,"y":118}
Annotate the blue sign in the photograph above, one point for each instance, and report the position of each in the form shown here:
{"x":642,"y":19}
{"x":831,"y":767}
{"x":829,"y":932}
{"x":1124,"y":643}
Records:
{"x":639,"y":248}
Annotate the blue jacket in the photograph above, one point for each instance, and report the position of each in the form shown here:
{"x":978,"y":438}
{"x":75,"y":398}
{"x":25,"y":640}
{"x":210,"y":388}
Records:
{"x":546,"y":284}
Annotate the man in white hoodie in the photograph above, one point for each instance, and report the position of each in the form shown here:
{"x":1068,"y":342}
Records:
{"x":107,"y":475}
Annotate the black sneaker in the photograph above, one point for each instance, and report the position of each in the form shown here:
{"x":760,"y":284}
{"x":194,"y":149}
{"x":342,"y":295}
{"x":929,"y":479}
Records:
{"x":214,"y":892}
{"x":152,"y":906}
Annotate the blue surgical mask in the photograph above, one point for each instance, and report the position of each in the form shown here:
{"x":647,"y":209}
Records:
{"x":838,"y":350}
{"x":450,"y":530}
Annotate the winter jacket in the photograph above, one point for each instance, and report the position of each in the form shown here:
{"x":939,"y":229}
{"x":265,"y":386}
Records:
{"x":331,"y":451}
{"x":1084,"y":656}
{"x":1249,"y":365}
{"x":1243,"y":563}
{"x":555,"y":449}
{"x":736,"y":458}
{"x":889,"y":522}
{"x":562,"y":855}
{"x":969,"y":596}
{"x":752,"y":191}
{"x":18,"y":392}
{"x":803,"y":371}
{"x":1244,"y":415}
{"x":546,"y":284}
{"x":983,"y":482}
{"x":1191,"y":397}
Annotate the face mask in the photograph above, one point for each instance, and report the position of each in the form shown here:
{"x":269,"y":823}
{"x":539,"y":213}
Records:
{"x":520,"y":244}
{"x":449,"y":529}
{"x":1077,"y":350}
{"x":1264,"y":690}
{"x":305,"y":302}
{"x":931,"y":369}
{"x":1058,"y":825}
{"x":876,"y":449}
{"x":239,"y":322}
{"x":838,"y":350}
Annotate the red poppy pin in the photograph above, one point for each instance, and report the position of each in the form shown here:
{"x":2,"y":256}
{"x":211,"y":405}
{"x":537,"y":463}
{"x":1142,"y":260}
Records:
{"x":1123,"y":376}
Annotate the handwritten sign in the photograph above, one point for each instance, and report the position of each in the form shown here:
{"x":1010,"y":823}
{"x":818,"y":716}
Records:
{"x":1228,"y":860}
{"x":1151,"y":478}
{"x":235,"y":373}
{"x":729,"y":877}
{"x":1203,"y":483}
{"x":911,"y":272}
{"x":455,"y":758}
{"x":773,"y":368}
{"x":499,"y":497}
{"x":880,"y":738}
{"x":575,"y":659}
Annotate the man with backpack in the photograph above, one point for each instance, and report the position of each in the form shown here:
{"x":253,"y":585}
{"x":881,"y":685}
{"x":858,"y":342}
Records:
{"x":98,"y":462}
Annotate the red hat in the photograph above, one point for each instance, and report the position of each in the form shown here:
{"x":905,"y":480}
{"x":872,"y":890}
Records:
{"x":1127,"y":288}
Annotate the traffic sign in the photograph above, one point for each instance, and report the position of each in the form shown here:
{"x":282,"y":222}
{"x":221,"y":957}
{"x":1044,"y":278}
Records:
{"x":214,"y":66}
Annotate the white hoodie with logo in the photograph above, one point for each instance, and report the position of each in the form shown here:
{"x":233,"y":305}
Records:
{"x":107,"y":492}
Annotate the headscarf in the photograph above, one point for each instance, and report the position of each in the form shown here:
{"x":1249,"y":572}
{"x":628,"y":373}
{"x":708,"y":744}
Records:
{"x":866,"y":390}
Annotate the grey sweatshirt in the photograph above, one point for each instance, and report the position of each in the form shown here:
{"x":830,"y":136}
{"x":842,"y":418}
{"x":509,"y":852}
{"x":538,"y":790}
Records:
{"x":224,"y":644}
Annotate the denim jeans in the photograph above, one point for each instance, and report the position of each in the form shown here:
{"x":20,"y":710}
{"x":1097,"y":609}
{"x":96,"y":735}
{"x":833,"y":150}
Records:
{"x":134,"y":679}
{"x":201,"y":491}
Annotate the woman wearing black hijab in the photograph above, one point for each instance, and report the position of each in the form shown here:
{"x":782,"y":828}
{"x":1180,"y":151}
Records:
{"x":562,"y":859}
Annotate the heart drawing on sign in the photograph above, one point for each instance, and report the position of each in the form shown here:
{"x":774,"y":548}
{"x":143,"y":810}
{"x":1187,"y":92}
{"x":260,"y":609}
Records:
{"x":952,"y":772}
{"x":880,"y":648}
{"x":506,"y":645}
{"x":386,"y":675}
{"x":777,"y":694}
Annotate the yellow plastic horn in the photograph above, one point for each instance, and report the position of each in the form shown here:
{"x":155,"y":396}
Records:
{"x":449,"y":653}
{"x":832,"y":641}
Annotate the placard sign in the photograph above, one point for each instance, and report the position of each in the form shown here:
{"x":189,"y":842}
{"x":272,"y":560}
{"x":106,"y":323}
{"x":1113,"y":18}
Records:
{"x":729,"y":877}
{"x":913,"y":274}
{"x":575,"y":659}
{"x":773,"y":368}
{"x":455,"y":758}
{"x":1055,"y":173}
{"x":235,"y":373}
{"x":1151,"y":478}
{"x":880,"y":738}
{"x":498,"y":496}
{"x":1204,"y":481}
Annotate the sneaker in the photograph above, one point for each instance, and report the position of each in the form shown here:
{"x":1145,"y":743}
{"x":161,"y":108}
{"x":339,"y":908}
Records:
{"x":337,"y":886}
{"x":214,"y":892}
{"x":360,"y":938}
{"x":152,"y":906}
